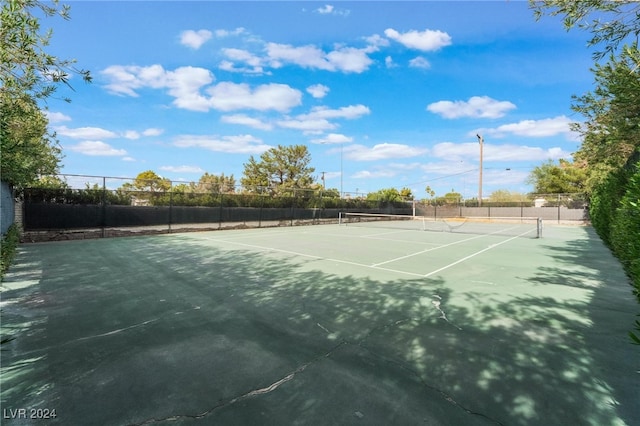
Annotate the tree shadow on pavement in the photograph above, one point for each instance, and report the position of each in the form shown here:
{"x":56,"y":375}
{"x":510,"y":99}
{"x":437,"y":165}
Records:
{"x":157,"y":330}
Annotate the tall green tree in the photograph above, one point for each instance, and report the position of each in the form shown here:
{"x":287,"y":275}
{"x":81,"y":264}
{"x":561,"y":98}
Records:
{"x":29,"y":76}
{"x":216,"y":184}
{"x":148,"y":181}
{"x":563,"y":178}
{"x":280,"y":169}
{"x":611,"y":131}
{"x":27,"y":149}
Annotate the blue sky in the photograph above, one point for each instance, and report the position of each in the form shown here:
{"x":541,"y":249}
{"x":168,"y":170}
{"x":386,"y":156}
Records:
{"x":384,"y":94}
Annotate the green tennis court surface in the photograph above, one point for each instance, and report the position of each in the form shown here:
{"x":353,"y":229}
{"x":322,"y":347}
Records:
{"x":320,"y":325}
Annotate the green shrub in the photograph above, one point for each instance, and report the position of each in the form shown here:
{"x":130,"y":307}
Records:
{"x":8,"y":248}
{"x":625,"y":229}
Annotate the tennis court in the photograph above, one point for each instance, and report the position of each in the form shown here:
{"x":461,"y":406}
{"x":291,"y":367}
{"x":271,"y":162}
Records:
{"x":330,"y":324}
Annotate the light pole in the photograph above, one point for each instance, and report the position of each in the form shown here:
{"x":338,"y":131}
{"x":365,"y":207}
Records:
{"x":481,"y":142}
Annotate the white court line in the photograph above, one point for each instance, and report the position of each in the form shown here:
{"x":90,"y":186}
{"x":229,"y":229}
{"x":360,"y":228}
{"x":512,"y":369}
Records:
{"x":428,"y":250}
{"x":443,"y":246}
{"x":492,"y":246}
{"x":369,"y":237}
{"x":376,"y":266}
{"x":346,"y":262}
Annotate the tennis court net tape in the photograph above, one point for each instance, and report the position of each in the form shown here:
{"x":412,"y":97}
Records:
{"x":530,"y":227}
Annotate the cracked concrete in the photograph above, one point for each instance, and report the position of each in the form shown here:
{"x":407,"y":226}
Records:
{"x":212,"y":334}
{"x":256,"y":392}
{"x":437,"y":303}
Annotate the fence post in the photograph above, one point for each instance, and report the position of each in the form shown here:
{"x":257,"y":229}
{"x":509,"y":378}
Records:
{"x":261,"y":195}
{"x":103,"y":219}
{"x":170,"y":204}
{"x":220,"y":212}
{"x":293,"y":205}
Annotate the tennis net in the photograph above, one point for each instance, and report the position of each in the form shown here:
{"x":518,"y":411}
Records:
{"x":527,"y":227}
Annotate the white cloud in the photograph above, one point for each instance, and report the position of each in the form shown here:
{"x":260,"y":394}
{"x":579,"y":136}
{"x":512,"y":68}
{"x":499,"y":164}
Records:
{"x":131,"y":134}
{"x":349,"y":112}
{"x":152,"y":131}
{"x":240,"y":144}
{"x":183,"y":83}
{"x":388,"y":62}
{"x":344,"y":59}
{"x":56,"y":117}
{"x":97,"y":148}
{"x":245,"y":120}
{"x":318,"y":91}
{"x":254,"y":62}
{"x":419,"y":62}
{"x":307,"y":124}
{"x":333,"y":138}
{"x":231,"y":96}
{"x":329,"y":9}
{"x":559,"y":125}
{"x":507,"y":152}
{"x":221,"y":33}
{"x":186,"y":84}
{"x":350,"y":59}
{"x":130,"y":159}
{"x":427,"y":40}
{"x":305,"y":56}
{"x":182,"y":169}
{"x":381,"y":152}
{"x":195,"y":39}
{"x":317,"y":120}
{"x":85,"y":133}
{"x":475,"y":107}
{"x":376,"y":40}
{"x":368,"y":174}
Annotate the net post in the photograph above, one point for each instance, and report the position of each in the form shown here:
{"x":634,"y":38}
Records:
{"x":539,"y":227}
{"x":339,"y":218}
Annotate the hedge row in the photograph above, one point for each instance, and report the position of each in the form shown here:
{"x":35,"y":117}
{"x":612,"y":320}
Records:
{"x":8,"y":247}
{"x":615,"y":214}
{"x":303,"y":199}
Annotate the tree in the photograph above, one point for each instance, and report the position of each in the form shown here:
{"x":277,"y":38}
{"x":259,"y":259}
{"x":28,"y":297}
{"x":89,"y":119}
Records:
{"x":503,"y":195}
{"x":279,"y":169}
{"x":615,"y":22}
{"x":148,"y":181}
{"x":216,"y":184}
{"x":28,"y":75}
{"x":387,"y":195}
{"x":430,"y":192}
{"x":451,"y":197}
{"x":563,"y":178}
{"x":26,"y":68}
{"x":611,"y":131}
{"x":28,"y":150}
{"x":406,"y":194}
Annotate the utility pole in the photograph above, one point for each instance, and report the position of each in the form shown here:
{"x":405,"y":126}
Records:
{"x":323,"y":183}
{"x":481,"y":142}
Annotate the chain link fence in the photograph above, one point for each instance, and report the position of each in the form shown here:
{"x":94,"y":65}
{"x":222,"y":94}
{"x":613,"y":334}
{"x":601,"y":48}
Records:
{"x":89,"y":207}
